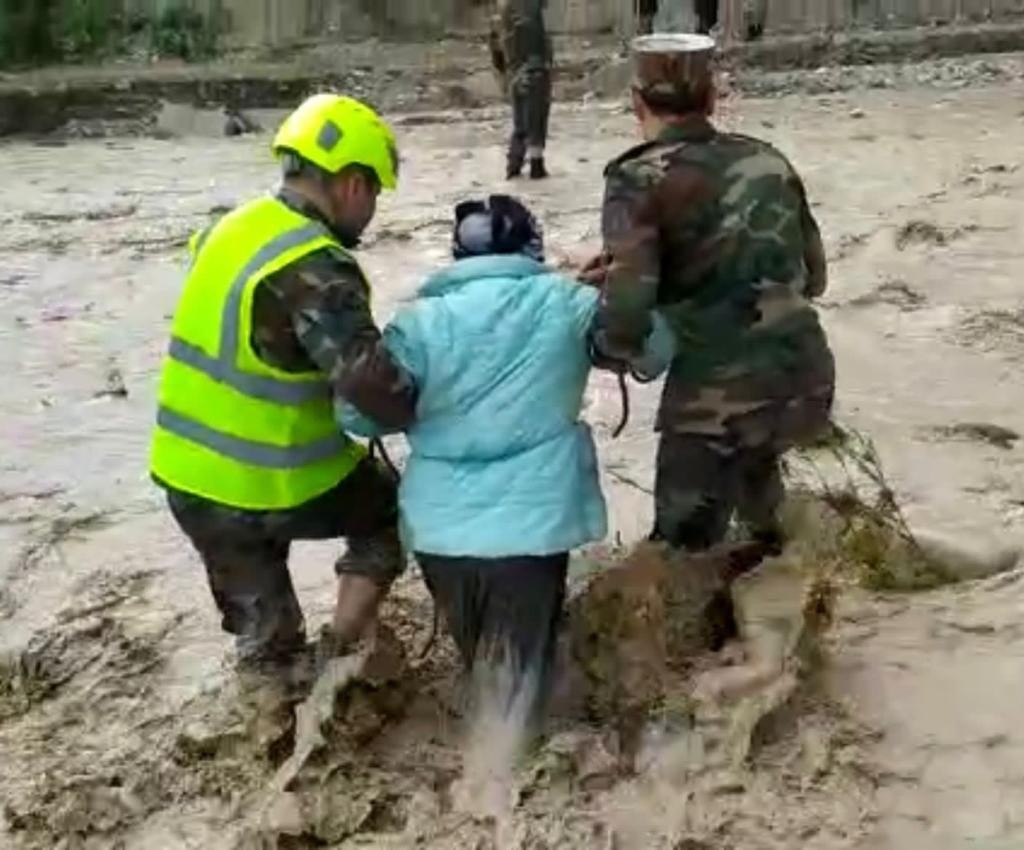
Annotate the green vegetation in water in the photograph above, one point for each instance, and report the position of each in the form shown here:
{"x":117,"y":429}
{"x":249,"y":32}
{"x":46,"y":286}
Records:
{"x":857,"y":524}
{"x":36,"y":32}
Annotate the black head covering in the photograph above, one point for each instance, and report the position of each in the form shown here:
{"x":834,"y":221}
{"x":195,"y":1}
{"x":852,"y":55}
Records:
{"x":499,"y":225}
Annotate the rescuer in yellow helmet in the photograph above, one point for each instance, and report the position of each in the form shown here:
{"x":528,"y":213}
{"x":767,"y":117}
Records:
{"x":273,"y":325}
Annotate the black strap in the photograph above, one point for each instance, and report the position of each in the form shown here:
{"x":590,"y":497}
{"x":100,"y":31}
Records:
{"x":377,"y":450}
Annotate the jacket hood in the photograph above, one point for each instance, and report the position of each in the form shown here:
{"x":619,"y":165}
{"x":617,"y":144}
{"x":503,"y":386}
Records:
{"x":471,"y":269}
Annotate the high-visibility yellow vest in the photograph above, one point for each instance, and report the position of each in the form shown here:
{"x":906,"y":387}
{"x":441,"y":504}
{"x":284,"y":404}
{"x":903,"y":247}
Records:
{"x":230,"y":427}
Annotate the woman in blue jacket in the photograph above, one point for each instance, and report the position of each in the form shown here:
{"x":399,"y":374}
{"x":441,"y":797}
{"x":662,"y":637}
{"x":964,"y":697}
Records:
{"x":502,"y":479}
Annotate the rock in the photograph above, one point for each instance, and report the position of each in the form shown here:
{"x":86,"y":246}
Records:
{"x":964,"y":558}
{"x":237,"y":123}
{"x":182,"y":119}
{"x":284,"y":816}
{"x":857,"y":113}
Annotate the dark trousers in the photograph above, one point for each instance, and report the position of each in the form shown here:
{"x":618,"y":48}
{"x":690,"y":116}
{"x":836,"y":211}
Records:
{"x":246,"y":554}
{"x":503,"y":614}
{"x":531,"y":107}
{"x":701,"y":482}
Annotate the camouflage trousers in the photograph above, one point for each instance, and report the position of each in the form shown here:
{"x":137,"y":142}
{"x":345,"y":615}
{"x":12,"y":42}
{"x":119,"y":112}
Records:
{"x":704,"y":480}
{"x":531,"y":106}
{"x":246,"y":555}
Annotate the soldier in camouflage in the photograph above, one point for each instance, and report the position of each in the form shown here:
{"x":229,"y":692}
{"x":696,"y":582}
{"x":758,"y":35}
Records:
{"x":522,"y":54}
{"x":715,"y":231}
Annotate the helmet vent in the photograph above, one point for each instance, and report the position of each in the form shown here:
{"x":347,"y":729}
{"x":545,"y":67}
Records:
{"x":330,"y":135}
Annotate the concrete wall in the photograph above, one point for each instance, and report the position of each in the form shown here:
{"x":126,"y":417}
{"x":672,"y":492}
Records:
{"x":789,"y":16}
{"x":280,"y":22}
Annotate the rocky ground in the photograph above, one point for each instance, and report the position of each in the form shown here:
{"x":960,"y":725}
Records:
{"x":120,"y":723}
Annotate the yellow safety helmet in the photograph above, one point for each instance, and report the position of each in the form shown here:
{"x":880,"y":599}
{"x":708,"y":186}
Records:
{"x":332,"y":132}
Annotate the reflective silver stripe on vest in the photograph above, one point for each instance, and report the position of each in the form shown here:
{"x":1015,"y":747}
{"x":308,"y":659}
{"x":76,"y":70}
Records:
{"x":224,"y":367}
{"x":256,"y":386}
{"x":250,"y":451}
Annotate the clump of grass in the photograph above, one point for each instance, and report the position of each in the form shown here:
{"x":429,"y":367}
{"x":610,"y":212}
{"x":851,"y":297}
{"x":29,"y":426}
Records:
{"x":852,"y":523}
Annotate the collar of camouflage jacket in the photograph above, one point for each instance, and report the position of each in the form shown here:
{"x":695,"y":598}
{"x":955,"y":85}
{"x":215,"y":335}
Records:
{"x":688,"y":128}
{"x":299,"y":203}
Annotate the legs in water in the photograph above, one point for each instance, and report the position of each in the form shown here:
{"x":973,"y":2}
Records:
{"x":503,"y":614}
{"x":247,"y":572}
{"x":246,"y":558}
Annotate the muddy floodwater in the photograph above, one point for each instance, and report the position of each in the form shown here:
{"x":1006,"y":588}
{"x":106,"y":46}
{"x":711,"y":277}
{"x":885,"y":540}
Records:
{"x":118,"y":728}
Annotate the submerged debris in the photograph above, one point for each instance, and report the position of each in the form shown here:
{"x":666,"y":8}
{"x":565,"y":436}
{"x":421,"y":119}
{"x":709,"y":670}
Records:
{"x":114,"y":386}
{"x":921,"y":232}
{"x":980,"y":432}
{"x":896,"y":293}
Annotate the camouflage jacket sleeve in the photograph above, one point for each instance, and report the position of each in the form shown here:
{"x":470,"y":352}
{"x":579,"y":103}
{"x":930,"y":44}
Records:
{"x":629,"y":224}
{"x":814,"y":249}
{"x":328,"y":301}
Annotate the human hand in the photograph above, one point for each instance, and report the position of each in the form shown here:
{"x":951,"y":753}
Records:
{"x":594,"y":271}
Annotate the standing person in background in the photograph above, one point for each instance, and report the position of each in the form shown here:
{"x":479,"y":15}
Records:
{"x":716,"y":231}
{"x":644,"y":13}
{"x":707,"y":15}
{"x":522,"y":54}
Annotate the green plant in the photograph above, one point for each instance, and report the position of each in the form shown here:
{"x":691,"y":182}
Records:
{"x":39,"y":31}
{"x":25,"y":32}
{"x":85,"y":28}
{"x":182,"y":32}
{"x":861,"y":526}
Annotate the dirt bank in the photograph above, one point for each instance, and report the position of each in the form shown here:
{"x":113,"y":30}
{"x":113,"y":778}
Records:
{"x":125,"y":99}
{"x":120,"y":725}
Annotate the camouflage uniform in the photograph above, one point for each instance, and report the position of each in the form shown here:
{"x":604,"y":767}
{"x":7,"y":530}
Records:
{"x":523,"y":54}
{"x":715,"y":230}
{"x":314,"y":313}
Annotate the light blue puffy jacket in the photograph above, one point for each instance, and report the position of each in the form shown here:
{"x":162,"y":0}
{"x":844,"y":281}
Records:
{"x":500,"y":463}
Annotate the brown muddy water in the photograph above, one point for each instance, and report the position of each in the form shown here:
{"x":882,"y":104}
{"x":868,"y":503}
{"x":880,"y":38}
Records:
{"x":120,"y":723}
